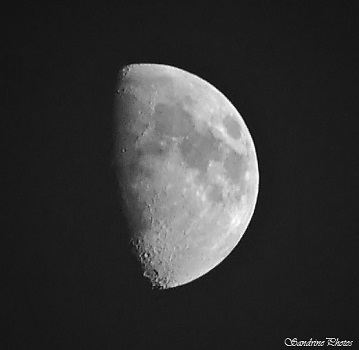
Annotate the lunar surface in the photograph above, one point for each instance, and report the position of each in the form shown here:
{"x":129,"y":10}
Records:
{"x":187,"y":171}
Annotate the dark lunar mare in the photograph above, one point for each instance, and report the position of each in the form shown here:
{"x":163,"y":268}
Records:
{"x":232,"y":127}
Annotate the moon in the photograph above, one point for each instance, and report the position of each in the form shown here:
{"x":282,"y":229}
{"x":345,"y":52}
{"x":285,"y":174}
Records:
{"x":187,"y":171}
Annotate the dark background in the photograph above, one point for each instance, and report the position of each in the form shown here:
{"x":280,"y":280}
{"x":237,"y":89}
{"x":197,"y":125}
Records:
{"x":290,"y":68}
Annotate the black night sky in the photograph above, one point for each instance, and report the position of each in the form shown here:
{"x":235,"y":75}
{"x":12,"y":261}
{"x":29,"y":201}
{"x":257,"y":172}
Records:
{"x":291,"y":70}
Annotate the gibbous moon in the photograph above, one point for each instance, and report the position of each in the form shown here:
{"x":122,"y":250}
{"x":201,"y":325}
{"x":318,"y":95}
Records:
{"x":187,"y":171}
